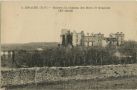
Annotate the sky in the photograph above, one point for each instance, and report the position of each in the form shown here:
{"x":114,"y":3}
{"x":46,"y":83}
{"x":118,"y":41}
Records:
{"x":23,"y":22}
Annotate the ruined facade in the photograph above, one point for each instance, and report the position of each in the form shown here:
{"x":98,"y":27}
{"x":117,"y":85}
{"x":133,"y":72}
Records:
{"x":81,"y":39}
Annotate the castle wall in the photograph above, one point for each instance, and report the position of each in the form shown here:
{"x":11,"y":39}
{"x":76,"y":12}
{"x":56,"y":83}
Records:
{"x":104,"y":43}
{"x":119,"y":36}
{"x":74,"y":39}
{"x":79,"y":39}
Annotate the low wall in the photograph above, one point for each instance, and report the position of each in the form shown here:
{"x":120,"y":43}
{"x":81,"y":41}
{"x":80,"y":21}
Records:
{"x":48,"y":74}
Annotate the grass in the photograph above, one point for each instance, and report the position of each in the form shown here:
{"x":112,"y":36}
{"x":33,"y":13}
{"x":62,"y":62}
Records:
{"x":110,"y":83}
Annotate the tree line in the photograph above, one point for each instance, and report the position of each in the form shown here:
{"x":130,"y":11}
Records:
{"x":77,"y":56}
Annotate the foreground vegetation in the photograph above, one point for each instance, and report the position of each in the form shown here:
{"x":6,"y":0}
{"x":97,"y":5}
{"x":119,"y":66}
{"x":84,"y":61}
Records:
{"x":62,"y":56}
{"x":110,"y":83}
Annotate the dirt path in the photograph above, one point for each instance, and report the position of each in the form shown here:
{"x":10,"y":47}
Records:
{"x":111,"y":83}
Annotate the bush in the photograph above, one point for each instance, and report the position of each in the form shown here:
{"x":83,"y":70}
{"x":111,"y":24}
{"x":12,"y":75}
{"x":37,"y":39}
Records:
{"x":63,"y":57}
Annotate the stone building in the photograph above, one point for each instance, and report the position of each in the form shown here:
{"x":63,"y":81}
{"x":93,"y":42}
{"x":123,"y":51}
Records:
{"x":81,"y":39}
{"x":115,"y":39}
{"x":93,"y":39}
{"x":78,"y":38}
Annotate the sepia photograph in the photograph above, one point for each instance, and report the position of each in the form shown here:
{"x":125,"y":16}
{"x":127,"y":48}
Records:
{"x":68,"y":45}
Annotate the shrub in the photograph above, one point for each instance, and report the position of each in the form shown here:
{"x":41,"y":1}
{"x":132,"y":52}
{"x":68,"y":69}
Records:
{"x":62,"y":56}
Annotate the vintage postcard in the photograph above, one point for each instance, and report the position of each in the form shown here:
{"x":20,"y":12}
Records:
{"x":68,"y":45}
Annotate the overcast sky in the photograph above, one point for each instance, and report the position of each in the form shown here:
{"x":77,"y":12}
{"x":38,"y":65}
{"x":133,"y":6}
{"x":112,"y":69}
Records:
{"x":20,"y":25}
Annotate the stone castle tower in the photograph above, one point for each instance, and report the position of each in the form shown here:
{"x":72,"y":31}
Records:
{"x":66,"y":37}
{"x":78,"y":38}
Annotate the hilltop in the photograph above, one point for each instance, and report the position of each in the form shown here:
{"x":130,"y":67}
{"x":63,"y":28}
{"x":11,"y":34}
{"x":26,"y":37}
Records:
{"x":29,"y":46}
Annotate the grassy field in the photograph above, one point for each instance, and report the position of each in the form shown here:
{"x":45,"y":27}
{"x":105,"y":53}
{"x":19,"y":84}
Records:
{"x":110,"y":83}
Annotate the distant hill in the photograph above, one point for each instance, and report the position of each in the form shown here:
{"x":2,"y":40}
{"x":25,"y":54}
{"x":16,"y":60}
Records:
{"x":29,"y":46}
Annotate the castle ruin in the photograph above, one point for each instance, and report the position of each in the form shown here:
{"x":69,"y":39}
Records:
{"x":74,"y":38}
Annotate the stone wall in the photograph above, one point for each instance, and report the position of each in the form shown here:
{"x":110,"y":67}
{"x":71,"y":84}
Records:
{"x":17,"y":76}
{"x":49,"y":74}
